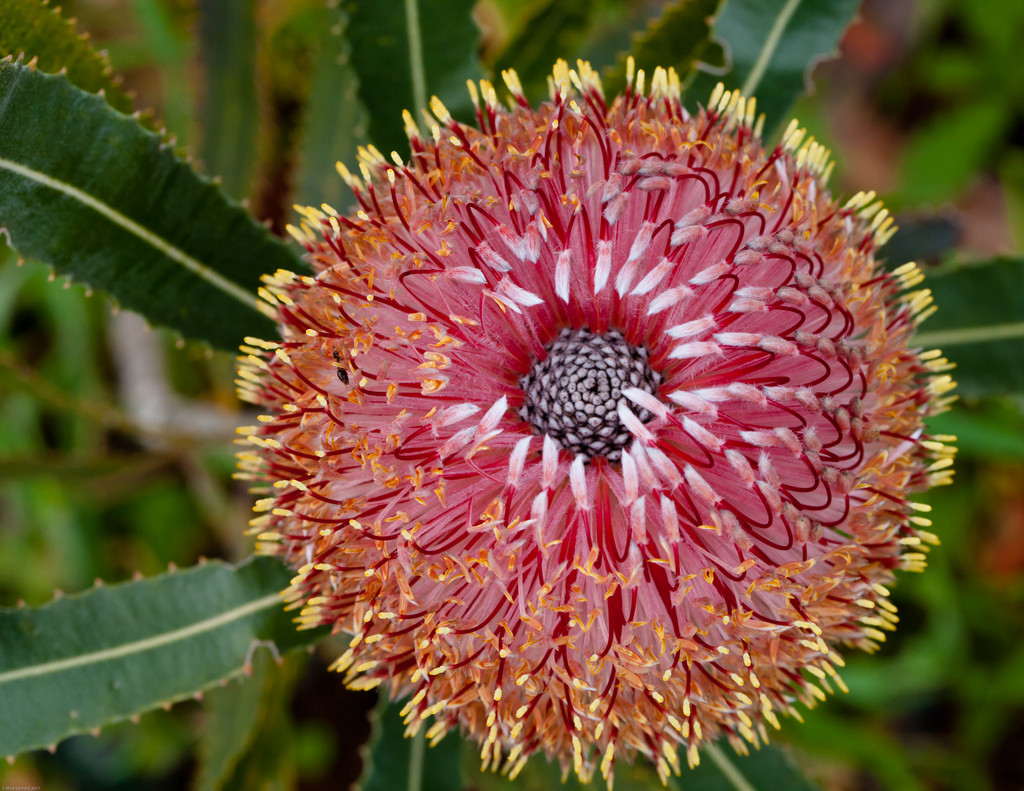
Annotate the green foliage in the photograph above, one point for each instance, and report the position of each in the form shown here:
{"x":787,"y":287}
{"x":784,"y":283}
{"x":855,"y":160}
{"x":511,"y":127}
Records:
{"x":944,"y":156}
{"x":162,"y":241}
{"x":227,"y":33}
{"x":678,"y":38}
{"x":406,"y":52}
{"x":392,"y":762}
{"x":980,"y":325}
{"x":334,"y":123}
{"x":247,"y":733}
{"x":87,"y":660}
{"x":33,"y":28}
{"x":771,"y":47}
{"x":550,"y":30}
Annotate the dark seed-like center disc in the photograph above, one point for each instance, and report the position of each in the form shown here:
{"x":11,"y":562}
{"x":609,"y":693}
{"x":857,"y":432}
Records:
{"x":573,"y":393}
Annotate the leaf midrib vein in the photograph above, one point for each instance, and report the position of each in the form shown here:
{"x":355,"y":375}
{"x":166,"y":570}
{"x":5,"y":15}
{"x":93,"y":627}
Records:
{"x":195,"y":266}
{"x":417,"y":69}
{"x":771,"y":43}
{"x":145,"y":644}
{"x":965,"y":335}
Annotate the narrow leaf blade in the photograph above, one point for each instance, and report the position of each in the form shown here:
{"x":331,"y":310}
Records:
{"x":679,"y":38}
{"x":230,"y":117}
{"x":87,"y":660}
{"x":404,"y":52}
{"x":247,"y":735}
{"x":771,"y":48}
{"x":979,"y":325}
{"x":33,"y":28}
{"x":393,"y":762}
{"x":90,"y":192}
{"x":334,"y":123}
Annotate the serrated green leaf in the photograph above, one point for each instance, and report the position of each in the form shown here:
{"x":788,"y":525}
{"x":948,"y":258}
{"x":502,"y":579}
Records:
{"x":247,"y":727}
{"x":392,"y":762}
{"x":406,"y":52}
{"x":766,"y":769}
{"x":230,"y":117}
{"x":679,"y":38}
{"x":552,"y":29}
{"x":334,"y":122}
{"x":232,"y":718}
{"x":979,"y":325}
{"x":39,"y":31}
{"x":90,"y":192}
{"x":87,"y":660}
{"x":771,"y":47}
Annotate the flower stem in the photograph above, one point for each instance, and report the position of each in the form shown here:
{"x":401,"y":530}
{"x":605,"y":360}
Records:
{"x":728,"y":768}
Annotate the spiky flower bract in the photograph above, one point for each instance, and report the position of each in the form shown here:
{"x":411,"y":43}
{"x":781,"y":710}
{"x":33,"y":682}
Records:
{"x":596,"y":425}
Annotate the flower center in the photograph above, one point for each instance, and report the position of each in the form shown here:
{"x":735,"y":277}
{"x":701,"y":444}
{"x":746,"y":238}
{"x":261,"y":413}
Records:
{"x":573,"y":394}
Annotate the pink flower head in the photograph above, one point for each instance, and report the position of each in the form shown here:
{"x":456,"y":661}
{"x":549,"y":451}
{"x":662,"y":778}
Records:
{"x":596,"y":425}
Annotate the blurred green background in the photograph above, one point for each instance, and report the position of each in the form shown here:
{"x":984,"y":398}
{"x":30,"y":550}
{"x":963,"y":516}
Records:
{"x":115,"y":441}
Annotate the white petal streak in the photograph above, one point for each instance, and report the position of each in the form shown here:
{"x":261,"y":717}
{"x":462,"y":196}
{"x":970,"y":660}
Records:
{"x":491,"y":258}
{"x":645,"y":400}
{"x":700,"y":487}
{"x":604,"y":265}
{"x":687,"y":235}
{"x":696,"y":217}
{"x":539,"y":508}
{"x":517,"y":460}
{"x":466,"y":274}
{"x":517,"y":293}
{"x":454,"y":414}
{"x":638,"y":521}
{"x":747,"y":392}
{"x":694,"y":403}
{"x":578,"y":482}
{"x":624,"y":279}
{"x":629,"y":477}
{"x":456,"y":441}
{"x":641,"y":243}
{"x":710,"y":274}
{"x":492,"y":417}
{"x":702,"y":435}
{"x":691,"y":328}
{"x":643,"y":466}
{"x":688,"y":351}
{"x":515,"y":244}
{"x":633,"y":424}
{"x":741,"y":464}
{"x":668,"y":299}
{"x":549,"y":462}
{"x":665,"y":466}
{"x":653,"y":278}
{"x":670,"y":517}
{"x":739,"y":339}
{"x":562,"y":269}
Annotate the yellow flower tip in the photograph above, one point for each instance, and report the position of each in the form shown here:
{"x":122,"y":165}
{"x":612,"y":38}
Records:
{"x":511,"y":80}
{"x":440,"y":111}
